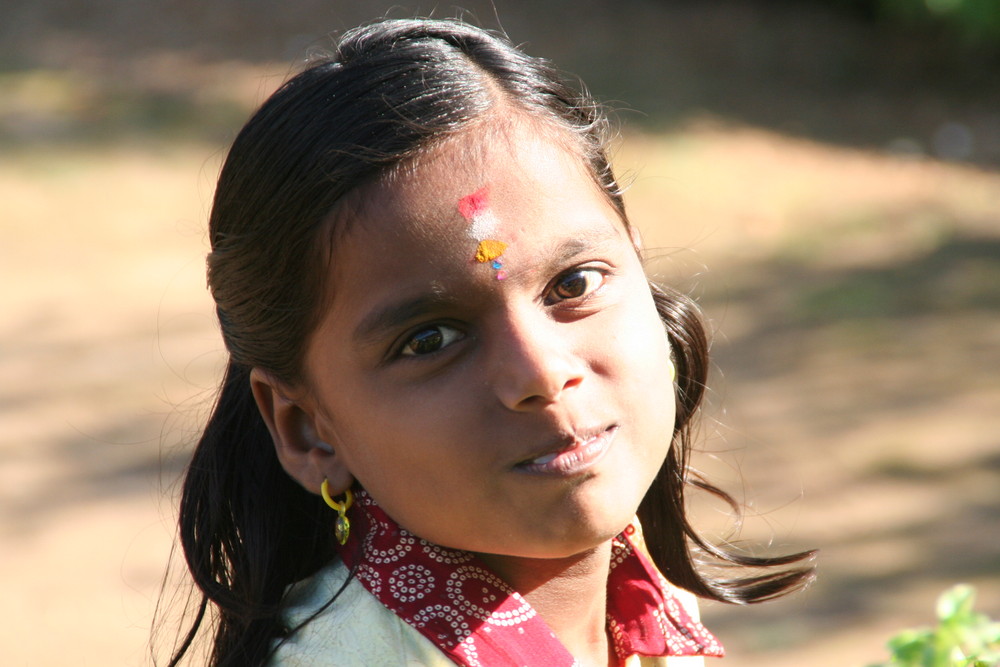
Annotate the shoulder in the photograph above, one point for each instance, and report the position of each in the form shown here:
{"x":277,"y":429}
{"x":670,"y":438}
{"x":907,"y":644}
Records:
{"x":354,"y":630}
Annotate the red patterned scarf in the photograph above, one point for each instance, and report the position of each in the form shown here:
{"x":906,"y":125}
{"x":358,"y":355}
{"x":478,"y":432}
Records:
{"x":475,"y":618}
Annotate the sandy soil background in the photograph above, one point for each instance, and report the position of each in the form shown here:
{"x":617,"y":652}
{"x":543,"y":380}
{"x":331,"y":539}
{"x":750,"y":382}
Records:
{"x":842,"y":232}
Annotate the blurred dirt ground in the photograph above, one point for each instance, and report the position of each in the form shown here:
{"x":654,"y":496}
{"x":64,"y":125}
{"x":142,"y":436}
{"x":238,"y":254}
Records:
{"x":850,"y":273}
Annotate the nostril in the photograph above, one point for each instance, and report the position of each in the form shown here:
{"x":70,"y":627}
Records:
{"x":534,"y":402}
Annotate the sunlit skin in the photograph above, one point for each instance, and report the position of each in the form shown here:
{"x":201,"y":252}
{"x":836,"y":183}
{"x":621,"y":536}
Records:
{"x":521,"y":418}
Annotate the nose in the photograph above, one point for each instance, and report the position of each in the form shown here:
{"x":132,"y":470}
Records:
{"x":535,"y":364}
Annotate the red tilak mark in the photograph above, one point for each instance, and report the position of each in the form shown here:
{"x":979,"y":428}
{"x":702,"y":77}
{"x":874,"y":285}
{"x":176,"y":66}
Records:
{"x":472,"y":205}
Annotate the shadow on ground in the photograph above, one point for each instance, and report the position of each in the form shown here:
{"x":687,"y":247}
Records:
{"x":796,"y":67}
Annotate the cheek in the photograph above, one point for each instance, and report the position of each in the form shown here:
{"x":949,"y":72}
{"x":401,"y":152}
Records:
{"x":640,"y":338}
{"x":387,"y":435}
{"x":644,"y":365}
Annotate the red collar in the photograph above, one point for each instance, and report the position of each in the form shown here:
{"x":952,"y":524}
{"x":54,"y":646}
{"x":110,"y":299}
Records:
{"x":454,"y":600}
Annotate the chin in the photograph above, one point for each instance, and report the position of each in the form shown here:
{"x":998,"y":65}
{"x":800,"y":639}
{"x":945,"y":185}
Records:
{"x":587,"y":535}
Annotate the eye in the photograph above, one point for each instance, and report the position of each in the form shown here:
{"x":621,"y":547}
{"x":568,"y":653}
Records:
{"x":430,"y":339}
{"x":577,"y":283}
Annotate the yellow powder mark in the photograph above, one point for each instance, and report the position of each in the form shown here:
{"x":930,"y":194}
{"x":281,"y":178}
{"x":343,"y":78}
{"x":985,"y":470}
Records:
{"x":489,"y":250}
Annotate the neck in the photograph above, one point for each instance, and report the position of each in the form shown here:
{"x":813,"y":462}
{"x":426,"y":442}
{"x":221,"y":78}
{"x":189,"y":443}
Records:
{"x":570,"y":594}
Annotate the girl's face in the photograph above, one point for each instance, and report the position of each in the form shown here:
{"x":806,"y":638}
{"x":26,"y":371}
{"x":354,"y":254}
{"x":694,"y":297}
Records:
{"x":515,"y":403}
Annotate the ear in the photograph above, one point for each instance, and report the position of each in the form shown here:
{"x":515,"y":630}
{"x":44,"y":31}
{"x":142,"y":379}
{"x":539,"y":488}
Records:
{"x":305,"y":457}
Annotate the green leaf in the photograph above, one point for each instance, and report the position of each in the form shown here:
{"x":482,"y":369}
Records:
{"x":962,"y":638}
{"x":956,"y":602}
{"x":910,"y":645}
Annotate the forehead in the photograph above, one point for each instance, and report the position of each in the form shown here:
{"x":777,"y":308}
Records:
{"x":504,"y":156}
{"x":535,"y":183}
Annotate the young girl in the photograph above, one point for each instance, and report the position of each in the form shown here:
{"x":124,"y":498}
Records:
{"x":453,"y":397}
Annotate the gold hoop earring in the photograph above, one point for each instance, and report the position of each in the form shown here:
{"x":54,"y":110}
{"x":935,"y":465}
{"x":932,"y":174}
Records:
{"x":342,"y":526}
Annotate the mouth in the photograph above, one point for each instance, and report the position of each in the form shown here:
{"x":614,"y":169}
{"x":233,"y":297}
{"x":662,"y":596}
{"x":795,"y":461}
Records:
{"x":571,"y":456}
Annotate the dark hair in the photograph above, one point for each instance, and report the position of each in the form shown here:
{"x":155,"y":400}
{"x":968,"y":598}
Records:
{"x":390,"y":91}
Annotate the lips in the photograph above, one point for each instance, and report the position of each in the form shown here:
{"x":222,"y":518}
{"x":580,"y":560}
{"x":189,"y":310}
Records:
{"x":573,"y":455}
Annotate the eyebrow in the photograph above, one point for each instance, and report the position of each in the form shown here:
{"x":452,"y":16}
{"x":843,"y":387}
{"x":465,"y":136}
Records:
{"x":569,"y":249}
{"x":377,"y":324}
{"x":590,"y":239}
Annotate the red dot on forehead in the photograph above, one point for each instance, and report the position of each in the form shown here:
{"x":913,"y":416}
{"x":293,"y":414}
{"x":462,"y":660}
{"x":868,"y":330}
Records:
{"x":472,"y":205}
